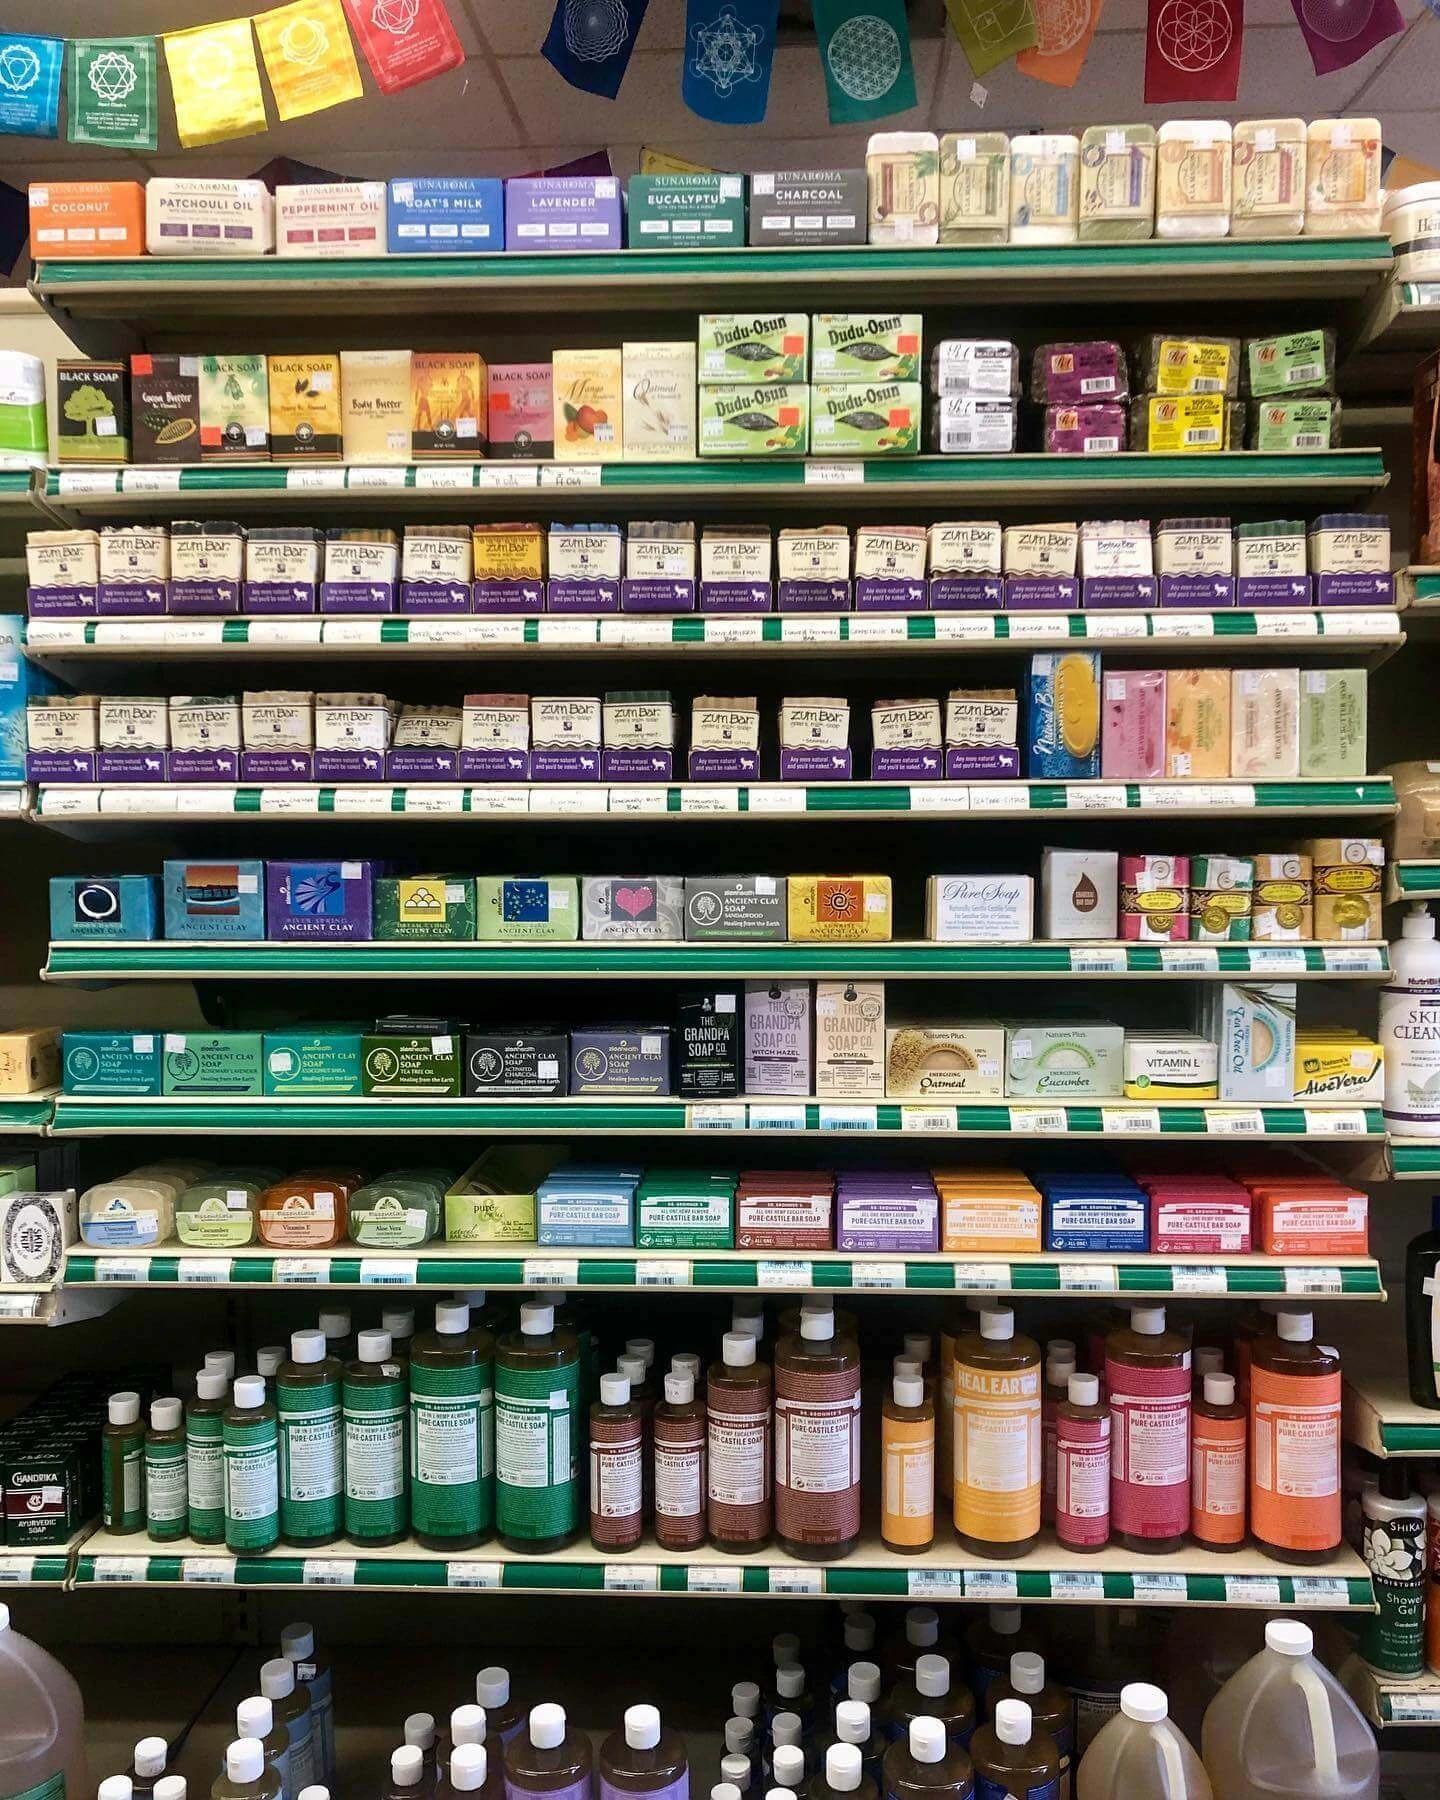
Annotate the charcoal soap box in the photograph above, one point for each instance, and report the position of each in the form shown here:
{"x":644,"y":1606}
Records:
{"x":319,"y":1059}
{"x":534,"y":1064}
{"x":735,"y":909}
{"x":707,"y":1044}
{"x":214,"y":900}
{"x":110,"y":1062}
{"x":620,"y":1060}
{"x":424,"y":1062}
{"x":104,"y":906}
{"x":808,"y":206}
{"x":213,"y":1063}
{"x":425,"y":907}
{"x":309,"y":901}
{"x":678,"y":212}
{"x":445,"y":215}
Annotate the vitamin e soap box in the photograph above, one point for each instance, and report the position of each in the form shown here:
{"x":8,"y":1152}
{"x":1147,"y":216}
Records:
{"x":86,"y":218}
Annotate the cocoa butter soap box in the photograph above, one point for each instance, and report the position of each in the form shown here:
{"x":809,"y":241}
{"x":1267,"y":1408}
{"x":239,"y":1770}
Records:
{"x":639,"y":726}
{"x":214,"y":901}
{"x":63,"y":571}
{"x":330,"y":219}
{"x":133,"y":734}
{"x":905,"y":740}
{"x":814,"y":568}
{"x":318,"y":1059}
{"x":563,"y":212}
{"x":425,"y":907}
{"x":326,"y":901}
{"x":413,"y":1057}
{"x":565,"y":732}
{"x":808,"y":206}
{"x":736,"y":569}
{"x":679,"y":212}
{"x":633,"y":1059}
{"x":532,"y":1063}
{"x":104,"y":906}
{"x":213,"y":1064}
{"x":685,"y":1209}
{"x":815,"y":739}
{"x":134,"y":571}
{"x":62,"y":736}
{"x":445,"y":215}
{"x":495,"y":737}
{"x":724,"y":737}
{"x":581,"y":1204}
{"x":111,"y":1062}
{"x":282,"y":569}
{"x":527,"y":909}
{"x":586,"y":566}
{"x":632,"y":908}
{"x":722,"y":909}
{"x":205,"y":737}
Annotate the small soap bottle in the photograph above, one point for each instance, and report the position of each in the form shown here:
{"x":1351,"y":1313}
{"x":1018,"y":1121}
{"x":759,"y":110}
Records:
{"x":642,"y":1758}
{"x":549,"y":1758}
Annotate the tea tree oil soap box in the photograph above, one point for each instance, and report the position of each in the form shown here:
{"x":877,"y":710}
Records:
{"x":104,"y":906}
{"x":213,"y":901}
{"x":581,"y":1205}
{"x":620,"y":1060}
{"x":307,"y":902}
{"x":808,"y":206}
{"x":685,"y":1209}
{"x":735,"y":909}
{"x":320,"y":1059}
{"x":533,"y":909}
{"x":213,"y":1063}
{"x":563,"y":212}
{"x":111,"y":1062}
{"x":676,"y":212}
{"x":1057,"y":1059}
{"x":445,"y":215}
{"x":425,"y":907}
{"x":412,"y":1057}
{"x":533,"y":1063}
{"x":190,"y":216}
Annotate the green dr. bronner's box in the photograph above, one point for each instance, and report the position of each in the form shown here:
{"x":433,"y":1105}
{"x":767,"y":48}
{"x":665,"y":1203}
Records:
{"x":425,"y":907}
{"x":672,"y":212}
{"x":213,"y":1063}
{"x":680,"y":1211}
{"x":321,"y":1059}
{"x":850,"y":420}
{"x":426,"y":1062}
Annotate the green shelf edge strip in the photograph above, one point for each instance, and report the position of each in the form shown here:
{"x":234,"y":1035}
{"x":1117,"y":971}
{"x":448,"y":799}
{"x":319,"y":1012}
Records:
{"x":1408,"y":1160}
{"x":1417,"y":880}
{"x":1411,"y":1440}
{"x":16,"y":1115}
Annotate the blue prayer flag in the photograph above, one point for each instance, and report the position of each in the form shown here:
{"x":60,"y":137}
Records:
{"x":589,"y":42}
{"x":729,"y":48}
{"x":30,"y":85}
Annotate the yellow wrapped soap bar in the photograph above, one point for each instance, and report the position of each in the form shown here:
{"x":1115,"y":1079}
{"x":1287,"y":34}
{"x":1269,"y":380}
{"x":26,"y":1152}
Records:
{"x":855,"y":909}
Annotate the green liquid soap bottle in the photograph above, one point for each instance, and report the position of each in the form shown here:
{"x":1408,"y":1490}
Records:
{"x":1012,"y":1760}
{"x":314,"y":1682}
{"x":503,"y":1714}
{"x":409,"y":1779}
{"x":643,"y":1758}
{"x":377,"y":1509}
{"x":844,"y":1777}
{"x":452,"y":1432}
{"x":926,"y":1765}
{"x":255,"y":1718}
{"x":123,"y":1466}
{"x":420,"y":1735}
{"x":246,"y":1775}
{"x":399,"y":1321}
{"x":148,"y":1766}
{"x":538,"y":1387}
{"x":469,"y":1772}
{"x":338,"y":1333}
{"x":292,"y":1715}
{"x":932,"y":1694}
{"x":249,"y":1435}
{"x":853,"y":1726}
{"x":166,"y":1501}
{"x":307,"y":1401}
{"x":205,"y":1458}
{"x":1051,"y":1708}
{"x":548,"y":1758}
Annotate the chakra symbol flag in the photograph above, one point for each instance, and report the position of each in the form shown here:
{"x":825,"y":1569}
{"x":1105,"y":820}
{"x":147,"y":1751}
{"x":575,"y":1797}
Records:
{"x":589,"y":42}
{"x":405,"y":41}
{"x":865,"y":52}
{"x":308,"y":57}
{"x":1065,"y":29}
{"x":1339,"y":32}
{"x":215,"y":82}
{"x":729,"y":48}
{"x":1192,"y":50}
{"x":111,"y":93}
{"x":990,"y":31}
{"x":30,"y":85}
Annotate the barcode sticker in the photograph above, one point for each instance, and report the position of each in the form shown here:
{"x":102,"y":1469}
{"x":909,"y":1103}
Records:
{"x":797,"y":1581}
{"x":1068,"y":1585}
{"x":1235,"y":1121}
{"x":328,"y":1571}
{"x":1039,"y":1121}
{"x":16,"y":1568}
{"x":929,"y":1121}
{"x":981,"y":1278}
{"x":389,"y":1271}
{"x":208,"y":1571}
{"x":1197,"y":1278}
{"x":941,"y":1583}
{"x":1145,"y":1586}
{"x":702,"y":1580}
{"x":1087,"y":1278}
{"x":1327,"y":1590}
{"x":776,"y":1117}
{"x":882,"y":1275}
{"x":1335,"y":1121}
{"x":991,"y":1584}
{"x":661,"y":1272}
{"x":1130,"y":1121}
{"x":301,"y":1271}
{"x":1252,"y":1590}
{"x":1313,"y":1280}
{"x":775,"y":1272}
{"x":550,"y":1271}
{"x":462,"y":1574}
{"x":717,"y":1116}
{"x":120,"y":1568}
{"x":848,"y":1118}
{"x":122,"y":1268}
{"x":202,"y":1271}
{"x":631,"y":1578}
{"x":1197,"y":959}
{"x":1098,"y":959}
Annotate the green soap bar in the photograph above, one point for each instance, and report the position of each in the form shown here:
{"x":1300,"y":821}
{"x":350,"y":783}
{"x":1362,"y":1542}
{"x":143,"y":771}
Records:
{"x":17,"y":1172}
{"x":850,"y":420}
{"x":1303,"y":362}
{"x":1285,"y":426}
{"x":398,"y":1211}
{"x":410,"y":1065}
{"x":865,"y":347}
{"x":1332,"y":722}
{"x":214,"y":1063}
{"x":425,"y":907}
{"x":527,"y":908}
{"x":320,"y":1060}
{"x":679,"y":1221}
{"x":675,"y":212}
{"x":219,"y":1212}
{"x":755,"y":421}
{"x":746,"y":349}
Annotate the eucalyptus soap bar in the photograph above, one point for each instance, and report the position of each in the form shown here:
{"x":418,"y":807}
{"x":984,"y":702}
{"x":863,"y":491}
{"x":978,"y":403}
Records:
{"x":111,"y":1062}
{"x":104,"y":906}
{"x":398,"y":1211}
{"x":425,"y":907}
{"x":418,"y":1063}
{"x":536,"y":909}
{"x":676,"y":212}
{"x":321,"y":1059}
{"x":215,"y":1063}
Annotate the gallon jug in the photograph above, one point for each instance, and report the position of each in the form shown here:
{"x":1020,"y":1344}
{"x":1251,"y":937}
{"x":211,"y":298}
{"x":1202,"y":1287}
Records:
{"x":1141,"y":1754}
{"x":42,"y":1722}
{"x":1282,"y":1728}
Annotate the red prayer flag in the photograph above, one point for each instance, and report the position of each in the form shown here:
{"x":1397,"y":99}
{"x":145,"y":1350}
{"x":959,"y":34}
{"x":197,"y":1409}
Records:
{"x":1192,"y":50}
{"x":405,"y":42}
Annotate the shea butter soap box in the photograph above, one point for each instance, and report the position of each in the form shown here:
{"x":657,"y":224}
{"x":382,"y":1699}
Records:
{"x":321,"y":1059}
{"x":445,"y":215}
{"x":309,"y":901}
{"x":104,"y":906}
{"x":214,"y":900}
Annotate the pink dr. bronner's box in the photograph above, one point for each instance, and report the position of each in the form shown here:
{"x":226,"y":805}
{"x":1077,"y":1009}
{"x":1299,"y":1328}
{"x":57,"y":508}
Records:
{"x":1199,"y":1218}
{"x":1132,"y":743}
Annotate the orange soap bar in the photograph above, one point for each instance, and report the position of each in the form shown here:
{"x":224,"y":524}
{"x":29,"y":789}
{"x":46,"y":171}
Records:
{"x":1197,"y":724}
{"x":86,"y":218}
{"x":1311,"y":1219}
{"x":308,"y":1211}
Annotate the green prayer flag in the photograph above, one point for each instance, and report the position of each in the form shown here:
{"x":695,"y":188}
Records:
{"x":992,"y":31}
{"x":112,"y":93}
{"x":865,"y":52}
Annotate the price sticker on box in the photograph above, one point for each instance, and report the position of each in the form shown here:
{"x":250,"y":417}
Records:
{"x":389,"y":1271}
{"x":461,"y":1574}
{"x":797,"y":1581}
{"x":1197,"y":1278}
{"x":631,"y":1578}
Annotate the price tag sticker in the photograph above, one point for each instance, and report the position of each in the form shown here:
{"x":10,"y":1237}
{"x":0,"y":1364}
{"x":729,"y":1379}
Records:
{"x":550,"y":1271}
{"x":202,"y":1271}
{"x":945,"y":1584}
{"x":1087,"y":796}
{"x":150,"y":481}
{"x":208,"y":1571}
{"x":831,"y":474}
{"x":515,"y":799}
{"x":1237,"y":1121}
{"x":1336,"y":1121}
{"x":1277,"y":959}
{"x":929,"y":1121}
{"x":461,"y":1574}
{"x":733,"y":631}
{"x":560,"y":801}
{"x":1088,"y":1278}
{"x":824,"y":630}
{"x":444,"y":475}
{"x":508,"y":475}
{"x":432,"y":799}
{"x":315,"y":481}
{"x":1313,"y":1280}
{"x":260,"y":632}
{"x":290,"y":800}
{"x":1195,"y":959}
{"x":209,"y":801}
{"x":964,"y":628}
{"x":982,"y":1278}
{"x":365,"y":801}
{"x":1356,"y":959}
{"x":20,"y":1306}
{"x":140,"y":802}
{"x":999,"y":797}
{"x":301,"y":1271}
{"x":351,"y":631}
{"x":636,"y":632}
{"x":633,"y":799}
{"x":56,"y":634}
{"x":1100,"y":959}
{"x":88,"y":481}
{"x":1286,"y":625}
{"x":700,"y":1579}
{"x":797,"y":1581}
{"x":110,"y":1269}
{"x":328,"y":1571}
{"x":661,"y":1272}
{"x":15,"y":1568}
{"x":370,"y":479}
{"x":1115,"y":628}
{"x":992,"y":1584}
{"x":1130,"y":1121}
{"x":709,"y":799}
{"x":848,"y":1118}
{"x":120,"y":1568}
{"x":876,"y":628}
{"x":631,"y":1578}
{"x":389,"y":1271}
{"x":1197,"y":1278}
{"x":1343,"y":621}
{"x":1146,"y":1586}
{"x":947,"y":797}
{"x":478,"y":631}
{"x":1252,"y":1590}
{"x":885,"y":1276}
{"x":717,"y":1116}
{"x":774,"y":1117}
{"x":775,"y":799}
{"x":1182,"y":625}
{"x":1039,"y":1121}
{"x":570,"y":475}
{"x":773,"y":1272}
{"x":1328,"y":1590}
{"x":1067,"y":1585}
{"x":1037,"y":628}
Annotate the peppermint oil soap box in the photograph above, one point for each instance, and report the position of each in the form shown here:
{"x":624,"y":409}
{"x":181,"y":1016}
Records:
{"x":111,"y":1063}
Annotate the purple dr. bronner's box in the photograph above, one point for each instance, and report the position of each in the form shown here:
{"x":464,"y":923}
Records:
{"x":61,"y":602}
{"x":563,"y":212}
{"x":814,"y":596}
{"x":1099,"y":592}
{"x":1200,"y":592}
{"x":1041,"y":593}
{"x":324,"y":900}
{"x":884,"y":1209}
{"x":966,"y":593}
{"x":885,"y":593}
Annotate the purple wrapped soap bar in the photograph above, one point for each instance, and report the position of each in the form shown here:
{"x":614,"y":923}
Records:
{"x":327,"y":900}
{"x":1096,"y":430}
{"x":1079,"y":374}
{"x":884,"y":1209}
{"x":563,"y":212}
{"x":132,"y":599}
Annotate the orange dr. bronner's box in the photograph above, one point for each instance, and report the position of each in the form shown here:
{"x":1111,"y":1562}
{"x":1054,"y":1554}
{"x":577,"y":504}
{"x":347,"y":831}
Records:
{"x":86,"y":218}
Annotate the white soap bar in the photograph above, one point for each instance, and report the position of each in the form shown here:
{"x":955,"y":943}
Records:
{"x":495,"y":722}
{"x":198,"y":722}
{"x":718,"y":724}
{"x":895,"y":552}
{"x":731,"y":556}
{"x":1041,"y":549}
{"x":814,"y":555}
{"x":584,"y":553}
{"x":980,"y":909}
{"x":1192,"y":195}
{"x":1116,"y":547}
{"x":969,"y":547}
{"x":905,"y":725}
{"x":205,"y":216}
{"x":812,"y":724}
{"x":134,"y":553}
{"x":565,"y":722}
{"x":660,"y":559}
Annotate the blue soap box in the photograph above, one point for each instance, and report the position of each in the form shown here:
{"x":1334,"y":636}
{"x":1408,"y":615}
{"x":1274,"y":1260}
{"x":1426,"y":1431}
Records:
{"x":104,"y":906}
{"x":111,"y":1062}
{"x":1093,"y":1214}
{"x":20,"y":679}
{"x":446,"y":215}
{"x":211,"y":900}
{"x":582,"y":1205}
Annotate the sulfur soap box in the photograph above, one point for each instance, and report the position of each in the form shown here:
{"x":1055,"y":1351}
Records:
{"x":445,"y":215}
{"x":534,"y":1064}
{"x":214,"y":900}
{"x":735,"y":908}
{"x":527,"y":908}
{"x":104,"y":906}
{"x":648,"y":908}
{"x":310,"y":901}
{"x":620,"y":1060}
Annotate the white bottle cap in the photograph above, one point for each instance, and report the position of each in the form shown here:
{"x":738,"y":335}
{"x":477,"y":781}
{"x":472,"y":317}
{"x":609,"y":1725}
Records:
{"x":790,"y":1681}
{"x":1061,"y":1347}
{"x":547,"y":1725}
{"x":1289,"y":1637}
{"x":1144,"y":1703}
{"x":297,"y":1640}
{"x":277,"y":1678}
{"x":1419,"y":921}
{"x":785,"y":1648}
{"x":815,"y":1325}
{"x":909,"y":1390}
{"x":467,"y":1767}
{"x":1220,"y":1390}
{"x":335,"y":1322}
{"x":222,"y":1361}
{"x":724,"y":1790}
{"x":642,"y":1723}
{"x":852,"y":1722}
{"x":467,"y":1725}
{"x":679,"y":1387}
{"x":686,"y":1362}
{"x":918,"y":1345}
{"x":860,"y":1631}
{"x":452,"y":1319}
{"x":750,"y":1325}
{"x":115,"y":1787}
{"x":863,"y":1682}
{"x":248,"y":1392}
{"x":736,"y":1767}
{"x":843,"y":1767}
{"x":785,"y":1728}
{"x":399,"y":1322}
{"x":1295,"y":1327}
{"x":210,"y":1384}
{"x":777,"y":1793}
{"x":373,"y":1346}
{"x":1012,"y":1721}
{"x":1059,"y":1369}
{"x":927,"y":1740}
{"x":1083,"y":1390}
{"x":268,"y":1359}
{"x":170,"y":1787}
{"x":745,"y":1698}
{"x":737,"y":1350}
{"x":150,"y":1754}
{"x":641,"y":1347}
{"x":420,"y":1731}
{"x":997,"y":1322}
{"x":492,"y":1686}
{"x":922,"y":1625}
{"x":1027,"y":1672}
{"x":537,"y":1320}
{"x":254,"y":1717}
{"x":124,"y":1409}
{"x":1005,"y":1620}
{"x":1149,"y":1321}
{"x":632,"y":1368}
{"x":787,"y":1761}
{"x":245,"y":1759}
{"x":614,"y":1390}
{"x":739,"y":1736}
{"x":308,"y":1346}
{"x":165,"y":1415}
{"x":407,"y":1764}
{"x":314,"y":1793}
{"x":932,"y":1676}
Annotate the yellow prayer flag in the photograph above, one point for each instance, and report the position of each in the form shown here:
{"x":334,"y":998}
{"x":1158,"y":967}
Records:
{"x":215,"y":82}
{"x":308,"y":56}
{"x":661,"y":162}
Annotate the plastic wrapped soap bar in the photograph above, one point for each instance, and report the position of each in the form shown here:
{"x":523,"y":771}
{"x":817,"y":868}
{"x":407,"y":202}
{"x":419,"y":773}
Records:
{"x":970,"y":424}
{"x":1078,"y":374}
{"x":1117,"y":183}
{"x":1189,"y":365}
{"x":1342,"y":178}
{"x":1268,"y":178}
{"x":1285,"y":427}
{"x":1185,"y":424}
{"x":902,"y":168}
{"x":1192,"y":179}
{"x":1094,"y":430}
{"x":1301,"y":362}
{"x":974,"y":366}
{"x":1044,"y":189}
{"x":974,"y":187}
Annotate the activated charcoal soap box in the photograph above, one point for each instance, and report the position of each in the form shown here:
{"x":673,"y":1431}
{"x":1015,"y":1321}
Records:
{"x":533,"y":1064}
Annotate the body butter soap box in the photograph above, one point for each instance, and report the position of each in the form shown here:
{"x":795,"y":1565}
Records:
{"x":215,"y":1063}
{"x":675,"y":212}
{"x":735,"y":908}
{"x":534,"y":1064}
{"x":527,"y":908}
{"x":111,"y":1062}
{"x":563,"y":212}
{"x":214,"y":900}
{"x":445,"y":215}
{"x":104,"y":906}
{"x":1064,"y":1060}
{"x":306,"y":901}
{"x":425,"y":907}
{"x":620,"y":1060}
{"x":647,"y":908}
{"x":425,"y":1061}
{"x":317,"y":1060}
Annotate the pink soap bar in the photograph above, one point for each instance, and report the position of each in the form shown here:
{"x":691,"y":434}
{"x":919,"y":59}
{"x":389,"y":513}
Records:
{"x":1194,"y":1221}
{"x":1132,"y":744}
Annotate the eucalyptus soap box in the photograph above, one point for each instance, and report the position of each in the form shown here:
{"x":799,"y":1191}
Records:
{"x":677,"y":212}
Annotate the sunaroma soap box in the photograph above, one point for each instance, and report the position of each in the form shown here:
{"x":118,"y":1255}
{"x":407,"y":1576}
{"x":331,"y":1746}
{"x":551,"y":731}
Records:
{"x":104,"y":906}
{"x":214,"y":900}
{"x":445,"y":215}
{"x":212,"y":1063}
{"x":674,"y":212}
{"x":330,"y":218}
{"x":808,"y":206}
{"x":527,"y":908}
{"x":111,"y":1062}
{"x":306,"y":901}
{"x":190,"y":216}
{"x":563,"y":212}
{"x":320,"y":1059}
{"x":425,"y":906}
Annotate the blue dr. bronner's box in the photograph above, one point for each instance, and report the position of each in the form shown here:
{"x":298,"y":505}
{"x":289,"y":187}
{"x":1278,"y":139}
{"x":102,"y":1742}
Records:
{"x":446,"y":215}
{"x":103,"y":906}
{"x":320,"y":1059}
{"x":215,"y":900}
{"x":111,"y":1062}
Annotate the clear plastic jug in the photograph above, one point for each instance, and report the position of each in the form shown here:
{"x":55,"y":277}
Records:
{"x":1141,"y":1754}
{"x":1282,"y":1728}
{"x":42,"y":1722}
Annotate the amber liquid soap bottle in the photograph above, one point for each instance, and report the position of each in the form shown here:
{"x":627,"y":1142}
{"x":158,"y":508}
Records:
{"x":997,"y":1437}
{"x":1013,"y":1760}
{"x":738,"y":1471}
{"x":925,"y":1765}
{"x":933,"y":1693}
{"x":844,"y":1777}
{"x":817,"y":1439}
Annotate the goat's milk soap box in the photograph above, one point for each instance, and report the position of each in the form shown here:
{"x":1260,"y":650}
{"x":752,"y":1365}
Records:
{"x":440,"y":214}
